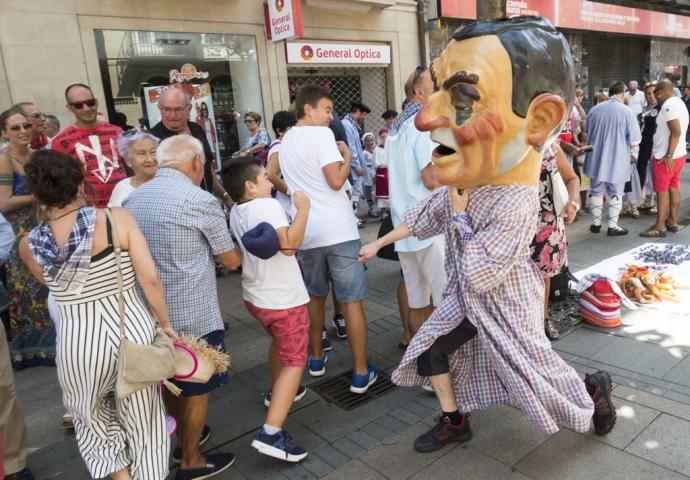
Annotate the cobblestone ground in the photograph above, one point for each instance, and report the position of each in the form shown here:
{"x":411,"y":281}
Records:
{"x":648,"y":358}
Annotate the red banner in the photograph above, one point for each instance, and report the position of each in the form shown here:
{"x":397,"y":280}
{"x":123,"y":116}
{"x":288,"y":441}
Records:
{"x":586,"y":15}
{"x":459,"y":9}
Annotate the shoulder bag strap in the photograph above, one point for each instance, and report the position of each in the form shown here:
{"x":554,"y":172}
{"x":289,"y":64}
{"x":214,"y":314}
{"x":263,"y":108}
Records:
{"x":118,"y":253}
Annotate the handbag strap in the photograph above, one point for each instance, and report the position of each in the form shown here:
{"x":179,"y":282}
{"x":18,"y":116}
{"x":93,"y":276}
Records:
{"x":118,"y":260}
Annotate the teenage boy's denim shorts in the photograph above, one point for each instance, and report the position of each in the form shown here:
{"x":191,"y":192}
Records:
{"x":338,"y":263}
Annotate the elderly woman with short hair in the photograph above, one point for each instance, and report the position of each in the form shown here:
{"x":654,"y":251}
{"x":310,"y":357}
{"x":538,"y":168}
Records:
{"x":138,"y":149}
{"x":258,"y":137}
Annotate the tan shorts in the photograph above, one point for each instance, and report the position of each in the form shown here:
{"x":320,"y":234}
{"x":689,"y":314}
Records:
{"x":425,"y":274}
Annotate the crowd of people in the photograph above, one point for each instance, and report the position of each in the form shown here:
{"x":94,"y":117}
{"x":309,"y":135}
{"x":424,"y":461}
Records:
{"x":286,"y":211}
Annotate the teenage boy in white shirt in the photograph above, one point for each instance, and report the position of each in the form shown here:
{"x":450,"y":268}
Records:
{"x":312,"y":162}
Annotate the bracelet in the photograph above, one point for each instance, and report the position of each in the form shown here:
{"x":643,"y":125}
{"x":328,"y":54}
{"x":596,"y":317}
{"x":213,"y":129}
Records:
{"x":577,"y":205}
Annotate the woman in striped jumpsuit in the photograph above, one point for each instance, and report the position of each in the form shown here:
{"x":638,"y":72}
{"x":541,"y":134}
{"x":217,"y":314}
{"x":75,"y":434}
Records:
{"x":73,"y":253}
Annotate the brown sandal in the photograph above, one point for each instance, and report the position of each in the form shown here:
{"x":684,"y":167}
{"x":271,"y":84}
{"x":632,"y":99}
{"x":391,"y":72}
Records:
{"x":653,"y":232}
{"x":551,"y":330}
{"x":672,"y":228}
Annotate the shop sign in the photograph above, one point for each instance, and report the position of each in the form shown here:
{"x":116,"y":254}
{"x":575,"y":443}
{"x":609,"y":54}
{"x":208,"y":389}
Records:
{"x":343,"y":53}
{"x":283,"y":19}
{"x":459,"y":9}
{"x":586,"y":15}
{"x":186,"y":73}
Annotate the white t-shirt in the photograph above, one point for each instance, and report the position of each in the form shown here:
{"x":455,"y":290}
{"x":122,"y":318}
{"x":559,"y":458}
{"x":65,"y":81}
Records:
{"x":671,"y":109}
{"x":283,"y":199}
{"x":636,"y":102}
{"x":121,"y":191}
{"x":275,"y":283}
{"x":303,"y":154}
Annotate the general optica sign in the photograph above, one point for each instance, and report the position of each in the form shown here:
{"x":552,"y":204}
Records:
{"x":459,"y":9}
{"x":283,"y":19}
{"x":586,"y":15}
{"x":340,"y":53}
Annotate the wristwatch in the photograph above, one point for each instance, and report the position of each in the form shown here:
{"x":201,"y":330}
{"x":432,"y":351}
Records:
{"x":668,"y":155}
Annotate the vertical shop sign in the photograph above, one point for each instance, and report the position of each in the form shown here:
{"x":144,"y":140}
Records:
{"x":283,"y":19}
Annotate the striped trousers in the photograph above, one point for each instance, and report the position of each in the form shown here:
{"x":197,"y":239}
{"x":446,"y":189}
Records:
{"x":111,"y":434}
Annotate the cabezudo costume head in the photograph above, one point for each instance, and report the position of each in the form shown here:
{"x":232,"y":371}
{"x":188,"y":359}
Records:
{"x":504,"y":89}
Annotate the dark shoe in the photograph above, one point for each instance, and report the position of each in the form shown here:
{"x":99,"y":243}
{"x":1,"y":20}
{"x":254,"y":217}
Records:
{"x":215,"y":463}
{"x":177,"y":452}
{"x":325,"y":342}
{"x":672,"y":228}
{"x":599,"y":388}
{"x":617,"y":232}
{"x":551,"y":330}
{"x":20,"y":475}
{"x":340,"y":326}
{"x":403,"y":346}
{"x":301,"y":392}
{"x":278,"y":445}
{"x":442,"y":434}
{"x":595,"y":228}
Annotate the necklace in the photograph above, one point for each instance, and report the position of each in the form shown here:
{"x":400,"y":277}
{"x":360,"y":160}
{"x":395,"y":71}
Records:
{"x":65,"y":214}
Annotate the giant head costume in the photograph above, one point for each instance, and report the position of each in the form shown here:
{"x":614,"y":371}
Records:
{"x":504,"y":87}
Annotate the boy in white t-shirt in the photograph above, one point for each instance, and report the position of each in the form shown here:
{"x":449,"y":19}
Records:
{"x":314,"y":163}
{"x":273,"y":291}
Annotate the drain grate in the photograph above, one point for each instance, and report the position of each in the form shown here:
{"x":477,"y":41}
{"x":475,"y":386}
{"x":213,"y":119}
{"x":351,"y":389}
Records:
{"x":336,"y":390}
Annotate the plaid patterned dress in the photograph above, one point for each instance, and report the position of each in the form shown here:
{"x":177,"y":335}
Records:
{"x":495,"y":284}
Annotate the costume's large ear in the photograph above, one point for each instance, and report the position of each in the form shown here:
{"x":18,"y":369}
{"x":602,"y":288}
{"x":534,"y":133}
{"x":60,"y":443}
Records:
{"x":546,"y":113}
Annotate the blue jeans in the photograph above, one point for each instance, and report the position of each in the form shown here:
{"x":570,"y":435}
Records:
{"x":338,"y":263}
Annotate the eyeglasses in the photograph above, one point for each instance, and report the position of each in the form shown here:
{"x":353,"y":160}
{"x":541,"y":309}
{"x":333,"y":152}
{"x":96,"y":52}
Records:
{"x":249,"y":120}
{"x":22,"y":126}
{"x":176,"y":110}
{"x":91,"y":102}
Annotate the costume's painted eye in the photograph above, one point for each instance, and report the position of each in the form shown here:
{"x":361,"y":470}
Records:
{"x":463,"y":97}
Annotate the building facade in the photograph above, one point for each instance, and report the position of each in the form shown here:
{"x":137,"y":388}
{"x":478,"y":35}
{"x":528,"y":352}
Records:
{"x":126,"y":50}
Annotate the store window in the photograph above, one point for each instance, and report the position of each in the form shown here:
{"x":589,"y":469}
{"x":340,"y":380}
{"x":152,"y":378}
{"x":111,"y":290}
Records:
{"x":220,"y":70}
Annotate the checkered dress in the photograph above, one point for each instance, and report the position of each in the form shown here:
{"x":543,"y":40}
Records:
{"x":495,"y":284}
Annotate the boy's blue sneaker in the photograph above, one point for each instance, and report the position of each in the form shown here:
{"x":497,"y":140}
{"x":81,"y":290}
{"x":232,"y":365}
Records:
{"x":317,"y":366}
{"x":361,"y":383}
{"x":279,"y":446}
{"x":325,"y":342}
{"x":340,"y":326}
{"x":301,"y":392}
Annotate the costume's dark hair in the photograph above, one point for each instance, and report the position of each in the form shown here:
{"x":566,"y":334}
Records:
{"x":14,"y":110}
{"x":237,"y":171}
{"x":359,"y":106}
{"x":53,"y":177}
{"x":540,"y":55}
{"x":616,"y":88}
{"x":282,"y":121}
{"x":75,"y":85}
{"x":310,"y":95}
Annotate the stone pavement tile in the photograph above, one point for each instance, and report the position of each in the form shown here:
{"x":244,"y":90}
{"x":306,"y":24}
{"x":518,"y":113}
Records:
{"x":61,"y":460}
{"x":348,"y":447}
{"x":355,"y":470}
{"x":504,"y":433}
{"x":335,"y":458}
{"x":45,"y":426}
{"x":569,"y":455}
{"x":377,"y":431}
{"x":386,"y":344}
{"x":468,"y":463}
{"x":653,"y":401}
{"x":378,"y":307}
{"x":405,"y":415}
{"x":419,"y":409}
{"x":645,"y":358}
{"x":678,"y":397}
{"x":396,"y":458}
{"x":363,"y":439}
{"x":582,"y":342}
{"x":665,"y":442}
{"x":680,"y":373}
{"x":392,"y":423}
{"x":316,"y":466}
{"x":251,"y":464}
{"x":249,"y":353}
{"x":631,"y":420}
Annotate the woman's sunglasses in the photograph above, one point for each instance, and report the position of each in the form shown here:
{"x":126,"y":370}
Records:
{"x":91,"y":102}
{"x":23,"y":126}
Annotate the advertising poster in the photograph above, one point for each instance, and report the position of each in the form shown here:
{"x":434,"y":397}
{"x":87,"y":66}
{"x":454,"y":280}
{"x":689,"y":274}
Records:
{"x":202,"y":111}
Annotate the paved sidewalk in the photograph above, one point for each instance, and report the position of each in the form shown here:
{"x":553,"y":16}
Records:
{"x":648,"y":358}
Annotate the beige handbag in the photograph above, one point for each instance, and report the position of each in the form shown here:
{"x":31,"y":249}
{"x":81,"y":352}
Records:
{"x":138,"y":366}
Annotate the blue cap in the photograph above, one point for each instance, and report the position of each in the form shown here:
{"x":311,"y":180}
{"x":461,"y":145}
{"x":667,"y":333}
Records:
{"x":261,"y":241}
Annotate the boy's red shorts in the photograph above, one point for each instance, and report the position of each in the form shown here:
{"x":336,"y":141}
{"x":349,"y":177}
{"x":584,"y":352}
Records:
{"x":662,"y":179}
{"x":289,"y":329}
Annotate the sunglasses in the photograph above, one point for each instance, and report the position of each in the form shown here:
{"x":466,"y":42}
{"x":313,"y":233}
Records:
{"x":418,"y":71}
{"x":91,"y":102}
{"x":249,"y":120}
{"x":23,"y":126}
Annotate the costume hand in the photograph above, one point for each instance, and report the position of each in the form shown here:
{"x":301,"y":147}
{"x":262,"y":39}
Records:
{"x":458,"y":201}
{"x":569,"y":213}
{"x":368,"y":251}
{"x":301,"y":201}
{"x":669,"y":163}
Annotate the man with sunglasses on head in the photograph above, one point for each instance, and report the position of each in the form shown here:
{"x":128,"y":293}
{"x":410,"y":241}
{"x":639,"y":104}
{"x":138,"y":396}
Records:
{"x":411,"y":178}
{"x":92,"y":143}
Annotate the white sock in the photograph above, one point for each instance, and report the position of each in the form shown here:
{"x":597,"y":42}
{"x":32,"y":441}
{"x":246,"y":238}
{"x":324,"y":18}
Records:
{"x":615,"y":204}
{"x":596,"y":205}
{"x":270,"y":429}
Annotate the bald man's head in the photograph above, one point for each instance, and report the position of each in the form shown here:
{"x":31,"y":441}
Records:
{"x":663,"y":90}
{"x":175,"y":105}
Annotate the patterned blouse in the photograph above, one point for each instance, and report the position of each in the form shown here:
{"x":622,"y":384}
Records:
{"x":260,"y":137}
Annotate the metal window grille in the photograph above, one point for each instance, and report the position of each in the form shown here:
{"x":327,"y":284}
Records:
{"x":347,"y":85}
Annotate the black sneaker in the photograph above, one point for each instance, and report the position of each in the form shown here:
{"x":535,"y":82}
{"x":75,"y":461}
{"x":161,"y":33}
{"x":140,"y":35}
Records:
{"x":595,"y":228}
{"x":617,"y":232}
{"x":599,"y":388}
{"x":301,"y":392}
{"x":21,"y":475}
{"x":215,"y":463}
{"x":340,"y":327}
{"x":177,"y":452}
{"x":442,"y":434}
{"x":325,"y":342}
